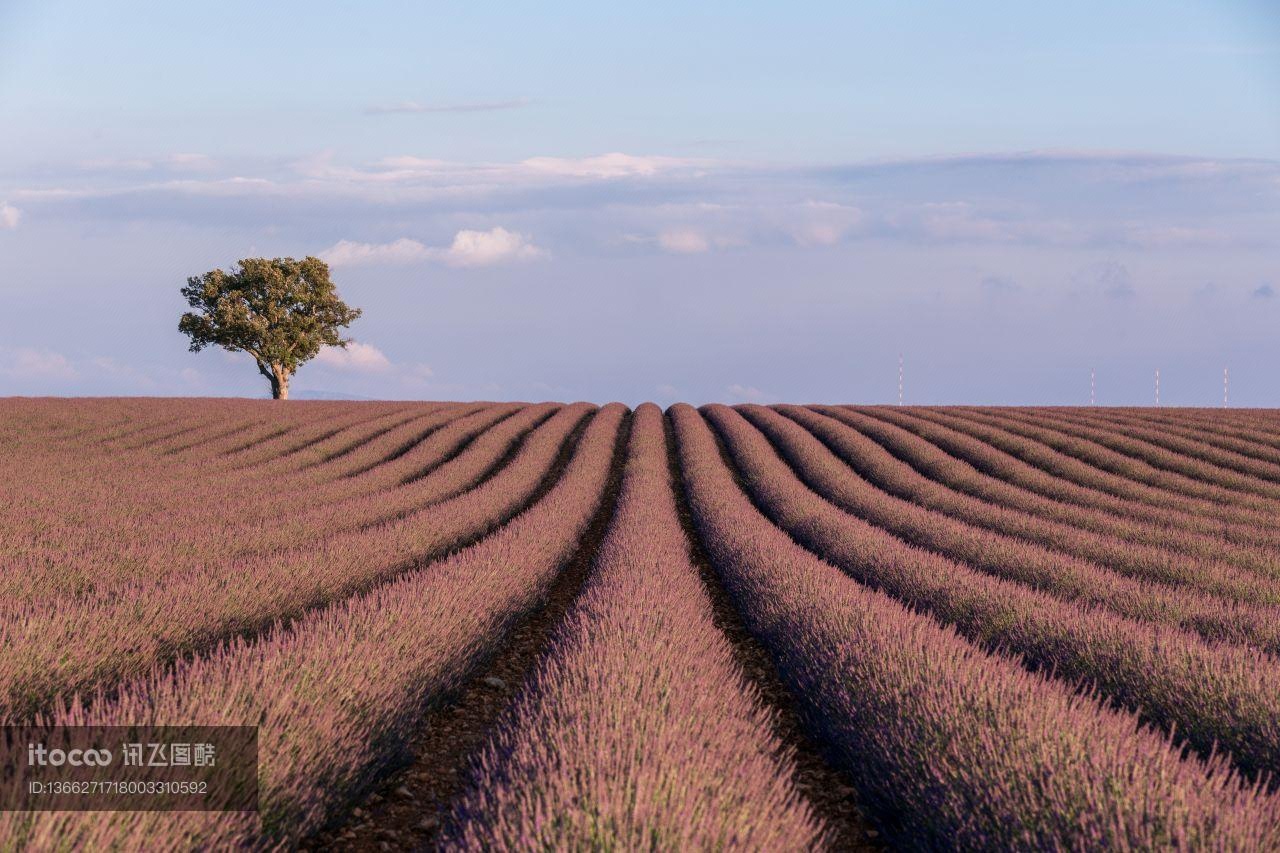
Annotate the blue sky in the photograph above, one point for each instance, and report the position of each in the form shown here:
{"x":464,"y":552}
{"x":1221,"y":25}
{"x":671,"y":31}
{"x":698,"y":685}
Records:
{"x":742,"y":201}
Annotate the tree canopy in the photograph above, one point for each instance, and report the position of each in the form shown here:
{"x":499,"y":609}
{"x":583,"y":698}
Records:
{"x":281,"y":311}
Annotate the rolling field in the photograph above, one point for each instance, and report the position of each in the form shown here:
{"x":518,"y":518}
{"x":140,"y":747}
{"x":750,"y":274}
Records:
{"x":547,"y":626}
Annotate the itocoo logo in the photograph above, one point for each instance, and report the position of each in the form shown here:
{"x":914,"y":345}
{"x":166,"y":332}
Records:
{"x":40,"y":755}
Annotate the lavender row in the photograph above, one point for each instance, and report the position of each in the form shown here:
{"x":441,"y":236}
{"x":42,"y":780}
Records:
{"x":1213,"y":696}
{"x":1197,"y":452}
{"x":1131,"y":458}
{"x":1000,"y":540}
{"x":454,"y":458}
{"x":1060,"y":575}
{"x":1251,"y":443}
{"x":967,"y":466}
{"x":75,"y":557}
{"x":1079,"y":470}
{"x":337,"y":694}
{"x":137,"y":481}
{"x":93,"y":533}
{"x":1258,"y":426}
{"x":637,"y":730}
{"x":955,"y":748}
{"x":56,"y":650}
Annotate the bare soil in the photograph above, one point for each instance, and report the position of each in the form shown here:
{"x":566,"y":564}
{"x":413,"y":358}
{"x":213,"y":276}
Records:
{"x":829,"y":793}
{"x":408,"y":809}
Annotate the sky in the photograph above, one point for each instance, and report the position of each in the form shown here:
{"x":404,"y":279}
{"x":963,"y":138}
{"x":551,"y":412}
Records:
{"x":733,"y":202}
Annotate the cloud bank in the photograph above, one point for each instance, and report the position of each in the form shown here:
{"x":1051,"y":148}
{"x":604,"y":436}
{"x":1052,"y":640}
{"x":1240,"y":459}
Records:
{"x":469,"y":249}
{"x":717,"y":278}
{"x":614,"y":165}
{"x":685,"y":206}
{"x":32,"y":363}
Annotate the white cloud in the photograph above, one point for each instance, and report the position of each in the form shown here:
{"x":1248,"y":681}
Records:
{"x":1162,"y":236}
{"x":355,"y":357}
{"x":825,"y":223}
{"x":747,"y":393}
{"x":420,"y":372}
{"x":28,"y":363}
{"x":468,"y":249}
{"x":683,"y":206}
{"x":818,"y":234}
{"x":690,"y":241}
{"x":423,"y":164}
{"x":614,"y":165}
{"x":121,"y":372}
{"x":367,"y":369}
{"x":346,"y":253}
{"x":182,"y":161}
{"x":684,"y":242}
{"x":10,"y":216}
{"x":958,"y":220}
{"x":483,"y":248}
{"x":415,"y":174}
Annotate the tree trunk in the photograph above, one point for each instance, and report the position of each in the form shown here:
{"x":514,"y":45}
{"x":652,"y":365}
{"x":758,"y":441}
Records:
{"x":279,"y":382}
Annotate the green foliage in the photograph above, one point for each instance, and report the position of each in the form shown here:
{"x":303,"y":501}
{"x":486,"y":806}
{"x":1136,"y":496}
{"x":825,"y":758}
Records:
{"x":280,"y":311}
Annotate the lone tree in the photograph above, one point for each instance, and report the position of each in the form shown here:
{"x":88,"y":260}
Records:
{"x":279,"y":311}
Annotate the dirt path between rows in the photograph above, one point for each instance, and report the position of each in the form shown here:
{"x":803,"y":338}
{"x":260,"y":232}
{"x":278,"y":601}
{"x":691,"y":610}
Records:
{"x":407,"y":810}
{"x":832,"y":798}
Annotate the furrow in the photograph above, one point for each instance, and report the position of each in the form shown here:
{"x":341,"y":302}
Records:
{"x":1139,"y":461}
{"x":58,"y":650}
{"x":990,"y":475}
{"x":600,"y":738}
{"x":356,"y":673}
{"x":1077,"y":468}
{"x":1213,"y":697}
{"x":951,"y":747}
{"x":991,"y":534}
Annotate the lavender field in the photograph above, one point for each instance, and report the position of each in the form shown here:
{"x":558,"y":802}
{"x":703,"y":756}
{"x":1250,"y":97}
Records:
{"x":501,"y":626}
